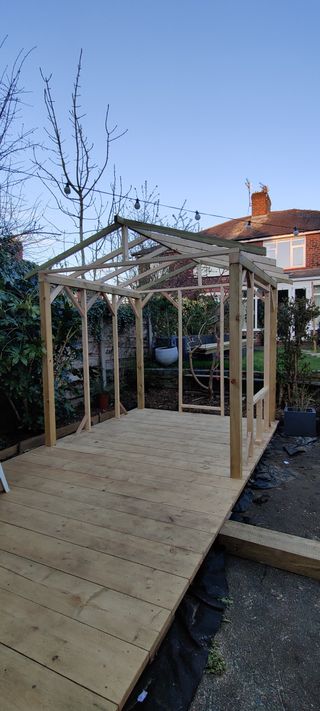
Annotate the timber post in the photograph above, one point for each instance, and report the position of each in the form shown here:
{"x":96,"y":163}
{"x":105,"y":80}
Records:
{"x":139,"y":354}
{"x":47,"y":363}
{"x":273,"y":353}
{"x":235,"y":367}
{"x":116,"y":375}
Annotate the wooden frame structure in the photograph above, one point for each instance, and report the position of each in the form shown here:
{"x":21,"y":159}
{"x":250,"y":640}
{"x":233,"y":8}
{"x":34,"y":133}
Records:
{"x":103,"y":533}
{"x":123,"y":274}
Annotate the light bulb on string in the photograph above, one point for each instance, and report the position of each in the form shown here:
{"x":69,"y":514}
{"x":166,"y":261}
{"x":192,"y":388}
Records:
{"x":137,"y":204}
{"x":197,"y":215}
{"x":67,"y":189}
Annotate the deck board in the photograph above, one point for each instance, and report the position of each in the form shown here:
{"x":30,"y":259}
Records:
{"x":100,"y":537}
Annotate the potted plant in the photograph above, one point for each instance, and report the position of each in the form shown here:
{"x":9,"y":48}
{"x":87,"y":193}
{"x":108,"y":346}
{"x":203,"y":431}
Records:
{"x":300,"y":416}
{"x":101,"y":394}
{"x":164,"y":326}
{"x":293,"y":370}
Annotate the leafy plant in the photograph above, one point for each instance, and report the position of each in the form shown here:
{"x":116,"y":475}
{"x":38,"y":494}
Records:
{"x":21,"y":347}
{"x":216,"y":664}
{"x":201,"y":315}
{"x":293,"y":370}
{"x":163,"y":315}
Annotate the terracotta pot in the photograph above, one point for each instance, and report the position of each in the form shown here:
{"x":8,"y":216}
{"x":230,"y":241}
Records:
{"x":103,"y":401}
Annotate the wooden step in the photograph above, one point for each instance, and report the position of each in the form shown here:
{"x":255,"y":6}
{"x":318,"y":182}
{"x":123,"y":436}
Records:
{"x":280,"y":550}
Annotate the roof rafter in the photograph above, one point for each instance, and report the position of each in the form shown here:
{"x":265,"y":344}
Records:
{"x":197,"y":237}
{"x":76,"y":248}
{"x":168,"y":247}
{"x":88,"y":285}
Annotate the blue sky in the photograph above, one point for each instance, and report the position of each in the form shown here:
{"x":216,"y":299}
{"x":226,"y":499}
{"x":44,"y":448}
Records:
{"x":211,"y":93}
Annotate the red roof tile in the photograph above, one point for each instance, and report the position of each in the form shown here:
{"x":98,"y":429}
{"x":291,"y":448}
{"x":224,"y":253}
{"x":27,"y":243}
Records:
{"x":279,"y":222}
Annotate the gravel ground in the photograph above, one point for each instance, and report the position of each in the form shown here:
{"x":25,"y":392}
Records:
{"x":271,"y":645}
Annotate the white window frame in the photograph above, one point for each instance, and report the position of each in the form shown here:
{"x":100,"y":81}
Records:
{"x":205,"y":270}
{"x":292,"y":247}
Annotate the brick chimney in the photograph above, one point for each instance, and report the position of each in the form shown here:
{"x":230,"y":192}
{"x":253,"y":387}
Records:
{"x":261,"y":203}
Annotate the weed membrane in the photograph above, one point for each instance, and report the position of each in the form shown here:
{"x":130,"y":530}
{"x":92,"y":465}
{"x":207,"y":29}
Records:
{"x":171,"y":680}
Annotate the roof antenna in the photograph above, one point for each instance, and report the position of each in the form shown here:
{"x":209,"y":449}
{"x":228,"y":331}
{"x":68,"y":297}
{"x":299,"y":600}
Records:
{"x":248,"y":186}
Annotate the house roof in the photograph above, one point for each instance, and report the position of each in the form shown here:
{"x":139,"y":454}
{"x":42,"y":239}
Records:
{"x":277,"y":222}
{"x":307,"y":273}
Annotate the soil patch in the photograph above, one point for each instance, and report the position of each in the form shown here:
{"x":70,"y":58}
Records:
{"x":271,"y":644}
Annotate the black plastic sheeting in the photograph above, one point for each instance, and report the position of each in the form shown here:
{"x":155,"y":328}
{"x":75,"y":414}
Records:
{"x":171,"y":680}
{"x":298,"y":445}
{"x":269,"y":476}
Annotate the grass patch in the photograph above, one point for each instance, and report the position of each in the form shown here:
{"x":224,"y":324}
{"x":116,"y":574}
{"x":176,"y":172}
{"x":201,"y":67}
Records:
{"x":313,"y":362}
{"x":216,"y":664}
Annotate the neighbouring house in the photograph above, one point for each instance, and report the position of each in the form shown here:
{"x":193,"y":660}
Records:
{"x":292,"y":237}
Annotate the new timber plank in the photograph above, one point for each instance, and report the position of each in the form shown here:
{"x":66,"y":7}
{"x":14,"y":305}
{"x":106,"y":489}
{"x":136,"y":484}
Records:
{"x":103,"y":664}
{"x":120,"y":615}
{"x":136,"y":440}
{"x":29,"y":686}
{"x":161,"y":459}
{"x":167,"y":558}
{"x":148,"y":584}
{"x":78,"y":488}
{"x":197,"y":497}
{"x":136,"y":472}
{"x":104,"y":532}
{"x":280,"y":550}
{"x":92,"y":460}
{"x":189,"y":539}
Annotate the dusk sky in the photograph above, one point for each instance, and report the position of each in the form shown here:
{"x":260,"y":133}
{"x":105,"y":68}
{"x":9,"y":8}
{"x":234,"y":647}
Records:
{"x":211,"y":93}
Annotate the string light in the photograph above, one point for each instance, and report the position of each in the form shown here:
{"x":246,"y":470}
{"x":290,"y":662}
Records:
{"x":197,"y":214}
{"x":248,"y":223}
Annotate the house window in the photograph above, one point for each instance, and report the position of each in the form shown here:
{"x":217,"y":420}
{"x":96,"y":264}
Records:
{"x":207,"y":271}
{"x":283,"y":296}
{"x":289,"y":253}
{"x":300,"y":294}
{"x":316,"y":294}
{"x":298,"y":252}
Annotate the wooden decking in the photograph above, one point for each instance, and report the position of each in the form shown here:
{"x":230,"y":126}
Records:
{"x":99,"y":540}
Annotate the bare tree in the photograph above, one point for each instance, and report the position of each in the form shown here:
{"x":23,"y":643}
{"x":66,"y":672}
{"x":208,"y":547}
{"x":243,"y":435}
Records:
{"x":149,"y":210}
{"x":17,"y":220}
{"x":73,"y":181}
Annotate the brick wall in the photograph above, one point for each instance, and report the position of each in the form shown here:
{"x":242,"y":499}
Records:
{"x":261,"y":203}
{"x":313,"y":250}
{"x":187,"y":278}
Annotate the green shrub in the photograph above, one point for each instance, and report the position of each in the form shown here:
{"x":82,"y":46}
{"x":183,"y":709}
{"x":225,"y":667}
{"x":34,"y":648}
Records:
{"x":21,"y":348}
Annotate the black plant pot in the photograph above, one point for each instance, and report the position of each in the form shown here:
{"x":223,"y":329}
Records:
{"x":300,"y":422}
